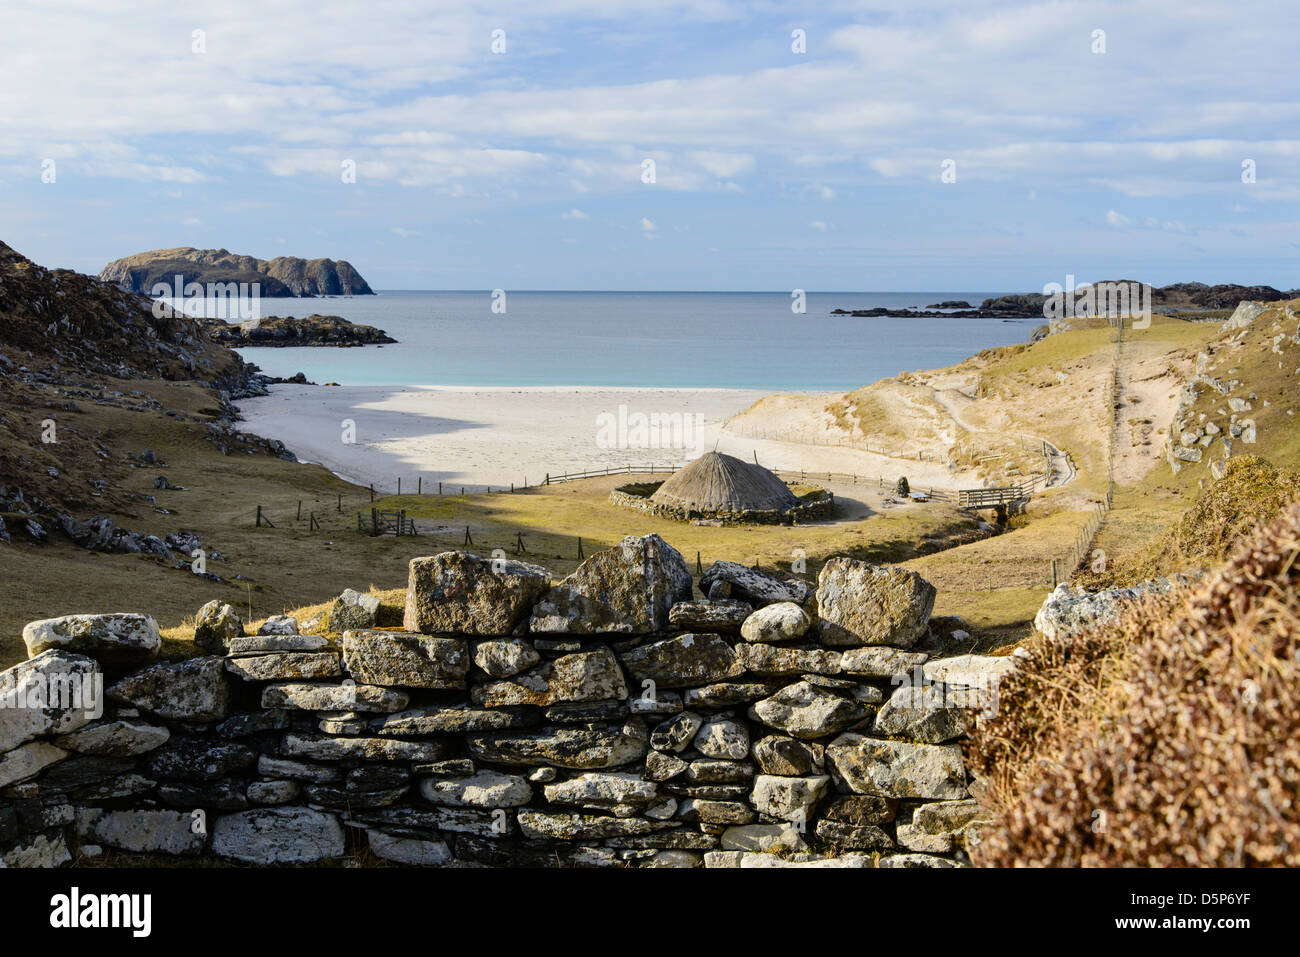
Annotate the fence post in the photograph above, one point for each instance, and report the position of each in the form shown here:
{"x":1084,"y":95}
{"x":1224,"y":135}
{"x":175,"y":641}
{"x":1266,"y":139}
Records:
{"x":399,"y":485}
{"x":372,"y":491}
{"x":340,"y":502}
{"x":419,"y":485}
{"x":299,"y":510}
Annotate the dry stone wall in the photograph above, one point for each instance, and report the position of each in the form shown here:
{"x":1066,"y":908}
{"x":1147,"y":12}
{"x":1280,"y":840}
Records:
{"x":615,"y":718}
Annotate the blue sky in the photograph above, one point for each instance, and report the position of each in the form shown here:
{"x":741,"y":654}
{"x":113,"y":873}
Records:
{"x":774,"y":169}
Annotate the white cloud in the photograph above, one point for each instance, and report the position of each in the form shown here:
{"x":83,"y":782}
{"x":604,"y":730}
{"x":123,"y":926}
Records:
{"x":574,"y":214}
{"x":817,"y":224}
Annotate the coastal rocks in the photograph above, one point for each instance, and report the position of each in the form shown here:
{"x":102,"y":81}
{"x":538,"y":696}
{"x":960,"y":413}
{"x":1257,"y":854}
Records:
{"x":724,"y":616}
{"x":354,"y":610}
{"x":284,"y":835}
{"x":780,"y":621}
{"x":406,"y":659}
{"x":805,"y":710}
{"x":461,"y":593}
{"x":863,"y":604}
{"x":683,"y":661}
{"x":504,"y":657}
{"x":896,"y":769}
{"x":214,"y":627}
{"x":629,"y":588}
{"x":752,"y":586}
{"x":113,"y":640}
{"x":193,"y":690}
{"x":31,"y":704}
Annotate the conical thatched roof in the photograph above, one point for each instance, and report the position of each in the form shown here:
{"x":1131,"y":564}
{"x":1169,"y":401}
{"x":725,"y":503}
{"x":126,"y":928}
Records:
{"x":722,"y":483}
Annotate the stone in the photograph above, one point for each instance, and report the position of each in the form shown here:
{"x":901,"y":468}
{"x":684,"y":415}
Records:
{"x":218,"y":795}
{"x":340,"y":697}
{"x":804,"y":710}
{"x":483,"y":789}
{"x":283,"y":769}
{"x":116,"y":640}
{"x":663,"y":767}
{"x":661,"y":703}
{"x":278,"y":835}
{"x":28,"y":760}
{"x":854,"y":837}
{"x":346,"y":799}
{"x":592,"y":675}
{"x":683,"y":662}
{"x":723,"y":616}
{"x":663,"y":810}
{"x":970,"y":671}
{"x":771,"y":660}
{"x":543,"y":775}
{"x":940,"y":816}
{"x":193,"y":690}
{"x":406,"y":659}
{"x":915,"y":839}
{"x":504,"y":657}
{"x":542,"y":825}
{"x":860,"y":809}
{"x":320,"y":747}
{"x":461,"y":593}
{"x":354,"y":610}
{"x":704,"y":811}
{"x":1069,"y":611}
{"x":581,"y":749}
{"x":54,"y":693}
{"x":253,"y":722}
{"x":587,"y":712}
{"x":719,"y":771}
{"x":676,"y":733}
{"x":287,"y":666}
{"x":439,"y":720}
{"x":603,"y":789}
{"x":80,"y":771}
{"x":121,"y":738}
{"x":790,"y":799}
{"x":493,"y":823}
{"x":763,"y":838}
{"x":276,"y":643}
{"x":215,"y":625}
{"x":931,"y":714}
{"x":780,"y":621}
{"x":279,"y":625}
{"x":915,"y":860}
{"x":629,"y":588}
{"x":723,"y":738}
{"x":196,"y":759}
{"x":348,"y":724}
{"x":775,"y":754}
{"x":42,"y":850}
{"x":726,"y":694}
{"x":673,"y":858}
{"x":863,"y":604}
{"x":141,"y":832}
{"x":405,"y":849}
{"x":273,"y":792}
{"x":876,"y":661}
{"x":748,"y":584}
{"x":897,"y":768}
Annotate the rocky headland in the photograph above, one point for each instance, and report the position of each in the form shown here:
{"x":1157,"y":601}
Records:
{"x":313,"y":330}
{"x":280,"y":277}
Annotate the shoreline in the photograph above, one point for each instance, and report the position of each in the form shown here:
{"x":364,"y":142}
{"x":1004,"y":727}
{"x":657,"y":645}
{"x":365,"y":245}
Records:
{"x":492,"y":436}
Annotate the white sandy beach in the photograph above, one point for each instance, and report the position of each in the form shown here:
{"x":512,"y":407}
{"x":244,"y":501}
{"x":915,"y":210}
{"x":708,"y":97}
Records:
{"x":491,"y":437}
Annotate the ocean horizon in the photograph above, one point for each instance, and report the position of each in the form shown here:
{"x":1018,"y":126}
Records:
{"x":671,"y":340}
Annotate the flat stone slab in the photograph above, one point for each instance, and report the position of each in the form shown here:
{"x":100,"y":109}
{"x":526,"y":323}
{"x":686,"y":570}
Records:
{"x":321,"y":747}
{"x":897,"y":769}
{"x":193,"y":690}
{"x":278,"y":835}
{"x":340,"y":697}
{"x":286,"y":666}
{"x":116,"y":639}
{"x":461,"y":593}
{"x":406,"y":659}
{"x":275,"y":643}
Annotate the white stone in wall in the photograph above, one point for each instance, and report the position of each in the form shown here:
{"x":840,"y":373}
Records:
{"x":278,"y":835}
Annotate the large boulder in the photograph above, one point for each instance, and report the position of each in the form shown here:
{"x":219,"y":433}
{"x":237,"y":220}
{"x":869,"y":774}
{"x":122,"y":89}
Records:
{"x":629,"y":588}
{"x":278,"y":835}
{"x":54,"y":693}
{"x":193,"y":690}
{"x":750,"y":585}
{"x":582,"y":676}
{"x":406,"y":659}
{"x":897,"y":769}
{"x":215,"y":625}
{"x":863,"y":604}
{"x":121,"y":639}
{"x":461,"y":593}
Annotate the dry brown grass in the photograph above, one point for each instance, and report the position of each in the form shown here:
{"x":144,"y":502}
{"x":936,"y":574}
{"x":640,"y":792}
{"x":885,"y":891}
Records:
{"x":1171,"y":739}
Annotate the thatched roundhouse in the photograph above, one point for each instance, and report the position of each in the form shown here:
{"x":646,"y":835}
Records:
{"x":718,"y":487}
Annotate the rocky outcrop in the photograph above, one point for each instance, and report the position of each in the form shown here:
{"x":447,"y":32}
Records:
{"x":282,"y":276}
{"x":471,"y":741}
{"x":277,"y":331}
{"x":1067,"y":611}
